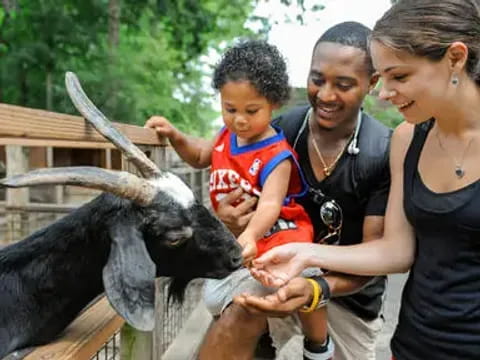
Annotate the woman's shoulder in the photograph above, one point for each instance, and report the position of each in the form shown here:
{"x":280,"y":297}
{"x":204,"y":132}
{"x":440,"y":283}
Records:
{"x":403,"y":135}
{"x":401,"y":140}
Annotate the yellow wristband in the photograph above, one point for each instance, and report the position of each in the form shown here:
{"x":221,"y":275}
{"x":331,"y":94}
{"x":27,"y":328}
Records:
{"x":315,"y":299}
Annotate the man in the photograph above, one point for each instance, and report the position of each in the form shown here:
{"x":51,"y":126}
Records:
{"x":343,"y":153}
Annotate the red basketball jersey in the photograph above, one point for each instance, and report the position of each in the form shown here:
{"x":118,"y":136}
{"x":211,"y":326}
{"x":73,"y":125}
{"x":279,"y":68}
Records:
{"x":248,"y":167}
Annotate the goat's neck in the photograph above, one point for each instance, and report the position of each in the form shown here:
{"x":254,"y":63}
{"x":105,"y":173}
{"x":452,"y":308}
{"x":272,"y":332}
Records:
{"x":55,"y":272}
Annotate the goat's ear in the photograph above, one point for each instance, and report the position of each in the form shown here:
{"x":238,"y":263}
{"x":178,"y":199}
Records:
{"x":129,"y":277}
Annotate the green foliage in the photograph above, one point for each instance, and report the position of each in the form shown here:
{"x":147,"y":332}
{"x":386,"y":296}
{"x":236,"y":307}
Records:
{"x":155,"y":68}
{"x":302,"y":8}
{"x":150,"y":59}
{"x":382,"y":111}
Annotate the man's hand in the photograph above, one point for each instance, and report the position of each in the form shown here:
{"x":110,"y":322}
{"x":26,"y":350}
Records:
{"x":236,"y":217}
{"x":162,"y":126}
{"x":287,"y":300}
{"x":282,"y":263}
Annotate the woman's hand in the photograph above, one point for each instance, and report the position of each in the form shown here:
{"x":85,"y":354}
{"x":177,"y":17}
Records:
{"x":282,"y":263}
{"x":236,"y":217}
{"x":287,"y":300}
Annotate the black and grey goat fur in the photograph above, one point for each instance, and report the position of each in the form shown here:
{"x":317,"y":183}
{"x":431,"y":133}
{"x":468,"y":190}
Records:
{"x":118,"y":243}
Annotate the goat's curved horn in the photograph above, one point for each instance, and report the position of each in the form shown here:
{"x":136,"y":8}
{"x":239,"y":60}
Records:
{"x":121,"y":183}
{"x":85,"y":106}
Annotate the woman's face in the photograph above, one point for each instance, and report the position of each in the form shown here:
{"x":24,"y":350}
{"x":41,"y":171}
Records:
{"x":337,"y":83}
{"x":417,"y":86}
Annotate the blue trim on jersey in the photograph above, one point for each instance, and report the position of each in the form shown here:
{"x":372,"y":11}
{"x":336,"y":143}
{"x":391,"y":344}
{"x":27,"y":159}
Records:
{"x":272,"y":164}
{"x":237,"y":150}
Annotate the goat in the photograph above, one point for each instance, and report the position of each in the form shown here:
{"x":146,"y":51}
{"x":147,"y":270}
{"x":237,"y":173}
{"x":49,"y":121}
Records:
{"x":119,"y":242}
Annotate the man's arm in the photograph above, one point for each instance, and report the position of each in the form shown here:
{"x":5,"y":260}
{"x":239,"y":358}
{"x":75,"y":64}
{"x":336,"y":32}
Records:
{"x":345,"y":284}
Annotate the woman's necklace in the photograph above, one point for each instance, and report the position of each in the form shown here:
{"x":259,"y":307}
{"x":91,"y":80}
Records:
{"x":459,"y":170}
{"x":327,"y":169}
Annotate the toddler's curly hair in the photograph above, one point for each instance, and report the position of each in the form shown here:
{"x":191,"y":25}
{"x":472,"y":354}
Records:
{"x":259,"y":63}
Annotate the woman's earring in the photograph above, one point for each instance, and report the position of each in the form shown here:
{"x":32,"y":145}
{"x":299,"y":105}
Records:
{"x":455,"y":80}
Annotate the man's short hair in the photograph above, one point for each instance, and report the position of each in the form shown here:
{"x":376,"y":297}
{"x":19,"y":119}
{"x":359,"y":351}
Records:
{"x":349,"y":33}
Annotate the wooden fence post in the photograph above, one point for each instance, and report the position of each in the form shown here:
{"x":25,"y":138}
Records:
{"x":135,"y":344}
{"x":59,"y":189}
{"x":17,"y":219}
{"x":159,"y":156}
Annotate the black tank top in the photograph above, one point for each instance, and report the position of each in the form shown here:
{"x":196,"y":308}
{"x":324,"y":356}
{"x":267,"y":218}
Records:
{"x":440,"y":312}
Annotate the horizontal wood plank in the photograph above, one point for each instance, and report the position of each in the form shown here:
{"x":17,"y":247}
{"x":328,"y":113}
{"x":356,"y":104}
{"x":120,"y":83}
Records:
{"x":20,"y":122}
{"x":83,"y":337}
{"x":43,"y":207}
{"x":55,"y":143}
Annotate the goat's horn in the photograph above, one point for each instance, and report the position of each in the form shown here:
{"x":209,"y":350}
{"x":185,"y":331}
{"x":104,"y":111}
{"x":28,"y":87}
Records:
{"x":85,"y":106}
{"x":121,"y":183}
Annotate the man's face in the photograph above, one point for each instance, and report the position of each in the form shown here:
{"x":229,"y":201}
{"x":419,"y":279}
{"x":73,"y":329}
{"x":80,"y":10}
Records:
{"x":337,"y":83}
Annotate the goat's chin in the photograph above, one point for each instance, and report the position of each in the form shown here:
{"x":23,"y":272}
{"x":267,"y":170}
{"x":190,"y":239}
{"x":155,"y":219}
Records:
{"x":176,"y":289}
{"x":217,"y":274}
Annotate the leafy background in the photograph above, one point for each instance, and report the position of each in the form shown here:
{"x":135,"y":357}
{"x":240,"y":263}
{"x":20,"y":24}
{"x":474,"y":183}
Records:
{"x":135,"y":58}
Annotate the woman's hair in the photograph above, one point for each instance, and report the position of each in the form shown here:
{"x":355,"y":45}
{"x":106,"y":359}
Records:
{"x":427,"y":28}
{"x":259,"y":63}
{"x":349,"y":33}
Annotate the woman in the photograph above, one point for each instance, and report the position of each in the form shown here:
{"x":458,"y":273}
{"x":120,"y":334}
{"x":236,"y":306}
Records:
{"x":427,"y":52}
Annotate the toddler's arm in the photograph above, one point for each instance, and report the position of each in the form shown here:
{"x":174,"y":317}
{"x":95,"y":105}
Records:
{"x":196,"y":152}
{"x":268,"y":209}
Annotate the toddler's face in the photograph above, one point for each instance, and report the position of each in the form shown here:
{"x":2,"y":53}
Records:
{"x":245,"y":112}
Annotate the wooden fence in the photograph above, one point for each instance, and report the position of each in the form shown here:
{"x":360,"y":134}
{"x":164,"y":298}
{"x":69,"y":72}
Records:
{"x":98,"y":332}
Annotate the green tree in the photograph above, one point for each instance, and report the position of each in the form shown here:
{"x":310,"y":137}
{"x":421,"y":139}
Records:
{"x":134,"y":57}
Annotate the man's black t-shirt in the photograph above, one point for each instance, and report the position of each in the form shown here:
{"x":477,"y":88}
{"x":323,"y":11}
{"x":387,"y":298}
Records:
{"x":359,"y":184}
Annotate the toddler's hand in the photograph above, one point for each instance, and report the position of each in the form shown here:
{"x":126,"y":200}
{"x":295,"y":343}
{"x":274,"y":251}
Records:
{"x":162,"y":126}
{"x":249,"y":246}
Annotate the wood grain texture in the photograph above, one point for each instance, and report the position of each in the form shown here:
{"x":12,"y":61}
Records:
{"x":20,"y":122}
{"x":84,"y":336}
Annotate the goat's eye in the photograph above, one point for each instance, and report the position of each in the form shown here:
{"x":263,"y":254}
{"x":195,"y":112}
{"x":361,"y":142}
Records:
{"x":177,"y":237}
{"x":175,"y":242}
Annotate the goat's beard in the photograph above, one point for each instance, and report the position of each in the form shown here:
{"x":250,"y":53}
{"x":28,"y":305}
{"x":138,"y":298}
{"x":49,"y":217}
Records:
{"x":176,"y":289}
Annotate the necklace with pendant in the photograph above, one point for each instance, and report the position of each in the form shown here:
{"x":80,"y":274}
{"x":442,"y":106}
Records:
{"x":459,"y":170}
{"x":327,"y":169}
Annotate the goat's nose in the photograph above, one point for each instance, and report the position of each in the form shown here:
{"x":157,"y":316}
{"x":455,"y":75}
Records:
{"x":236,"y":262}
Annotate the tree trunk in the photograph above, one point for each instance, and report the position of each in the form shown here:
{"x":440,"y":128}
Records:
{"x":9,"y":5}
{"x":113,"y":25}
{"x":22,"y":80}
{"x":48,"y":89}
{"x":114,"y":8}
